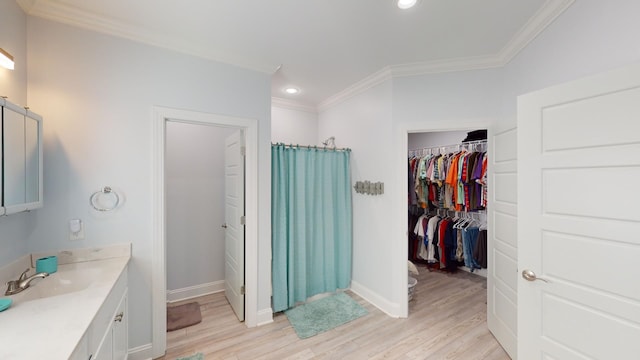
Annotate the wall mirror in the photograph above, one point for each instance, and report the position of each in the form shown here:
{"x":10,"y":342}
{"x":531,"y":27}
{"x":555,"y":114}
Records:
{"x":22,"y":155}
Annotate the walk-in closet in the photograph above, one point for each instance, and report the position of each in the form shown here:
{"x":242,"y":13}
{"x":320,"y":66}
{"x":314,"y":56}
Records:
{"x":447,"y":200}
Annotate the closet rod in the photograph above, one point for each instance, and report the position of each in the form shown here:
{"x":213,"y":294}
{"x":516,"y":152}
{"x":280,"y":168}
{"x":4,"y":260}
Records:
{"x":310,"y":147}
{"x":457,"y":146}
{"x":468,"y":214}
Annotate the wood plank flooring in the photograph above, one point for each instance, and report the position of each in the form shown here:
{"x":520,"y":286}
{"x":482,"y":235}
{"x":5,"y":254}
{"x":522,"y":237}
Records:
{"x":447,"y":320}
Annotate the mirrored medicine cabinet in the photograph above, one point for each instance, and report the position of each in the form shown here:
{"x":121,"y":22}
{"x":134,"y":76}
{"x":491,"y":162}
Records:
{"x":21,"y":180}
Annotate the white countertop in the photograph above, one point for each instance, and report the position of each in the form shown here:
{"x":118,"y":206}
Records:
{"x":50,"y":327}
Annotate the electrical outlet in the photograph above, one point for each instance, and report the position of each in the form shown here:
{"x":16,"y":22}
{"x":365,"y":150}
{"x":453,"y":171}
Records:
{"x":76,"y":229}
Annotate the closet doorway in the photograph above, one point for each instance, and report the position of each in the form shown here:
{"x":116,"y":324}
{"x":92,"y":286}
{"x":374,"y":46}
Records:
{"x":448,"y":198}
{"x":201,"y":231}
{"x":162,"y":117}
{"x":501,"y":273}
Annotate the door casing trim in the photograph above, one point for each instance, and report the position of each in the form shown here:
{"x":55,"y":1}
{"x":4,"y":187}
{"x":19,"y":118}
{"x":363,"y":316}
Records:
{"x":160,"y":115}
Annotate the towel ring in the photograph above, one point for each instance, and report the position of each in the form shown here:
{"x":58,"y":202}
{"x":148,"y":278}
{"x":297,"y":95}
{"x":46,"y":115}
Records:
{"x":96,"y":203}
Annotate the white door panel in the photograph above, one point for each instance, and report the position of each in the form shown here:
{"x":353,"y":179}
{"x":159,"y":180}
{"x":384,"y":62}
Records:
{"x":586,"y":115}
{"x":506,"y":229}
{"x":502,"y":245}
{"x":234,"y":229}
{"x":578,"y":221}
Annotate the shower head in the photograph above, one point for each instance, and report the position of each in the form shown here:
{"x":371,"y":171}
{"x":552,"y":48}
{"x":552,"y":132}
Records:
{"x":331,"y":140}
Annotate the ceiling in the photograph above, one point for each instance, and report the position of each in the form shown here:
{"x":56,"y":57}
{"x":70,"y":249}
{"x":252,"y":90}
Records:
{"x":326,"y":48}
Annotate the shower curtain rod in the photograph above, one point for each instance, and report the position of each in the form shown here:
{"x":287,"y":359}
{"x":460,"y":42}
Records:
{"x":311,"y":147}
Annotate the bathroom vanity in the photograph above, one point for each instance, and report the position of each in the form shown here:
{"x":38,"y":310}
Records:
{"x":79,"y":312}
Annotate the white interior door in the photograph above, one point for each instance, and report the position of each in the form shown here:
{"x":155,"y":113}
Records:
{"x":502,"y":247}
{"x":234,"y":222}
{"x":578,"y":219}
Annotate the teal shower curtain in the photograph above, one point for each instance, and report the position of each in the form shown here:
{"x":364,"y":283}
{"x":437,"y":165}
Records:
{"x":310,"y":221}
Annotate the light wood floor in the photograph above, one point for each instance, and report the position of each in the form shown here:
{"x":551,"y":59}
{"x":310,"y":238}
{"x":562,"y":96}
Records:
{"x":447,"y":320}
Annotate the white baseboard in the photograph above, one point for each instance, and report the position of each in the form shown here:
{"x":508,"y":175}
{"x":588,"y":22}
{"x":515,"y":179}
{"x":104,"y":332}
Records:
{"x":265,"y":316}
{"x":140,"y":353}
{"x":479,"y":272}
{"x":389,"y":308}
{"x":195,"y":291}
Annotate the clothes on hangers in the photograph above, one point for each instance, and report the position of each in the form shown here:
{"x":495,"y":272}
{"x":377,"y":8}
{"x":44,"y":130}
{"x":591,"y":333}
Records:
{"x":448,"y":243}
{"x":480,"y":250}
{"x":454,"y":181}
{"x":469,"y":240}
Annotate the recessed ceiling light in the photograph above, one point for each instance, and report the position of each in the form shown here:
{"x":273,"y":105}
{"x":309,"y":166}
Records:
{"x":291,"y":90}
{"x":406,"y":4}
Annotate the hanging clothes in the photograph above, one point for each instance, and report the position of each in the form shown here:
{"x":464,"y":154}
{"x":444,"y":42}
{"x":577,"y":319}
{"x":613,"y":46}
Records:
{"x":451,"y":181}
{"x":480,"y":251}
{"x":469,"y":240}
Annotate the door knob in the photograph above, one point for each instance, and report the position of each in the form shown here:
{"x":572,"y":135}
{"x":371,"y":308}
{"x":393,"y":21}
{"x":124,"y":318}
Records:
{"x":224,"y":225}
{"x":531,"y":276}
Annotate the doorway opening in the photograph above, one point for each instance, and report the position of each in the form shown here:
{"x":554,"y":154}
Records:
{"x":196,"y":163}
{"x":501,"y":308}
{"x":162,"y":116}
{"x":447,"y":201}
{"x":401,"y":219}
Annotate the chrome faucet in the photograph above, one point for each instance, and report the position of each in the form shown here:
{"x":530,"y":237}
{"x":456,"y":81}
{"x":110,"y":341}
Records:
{"x":23,"y":282}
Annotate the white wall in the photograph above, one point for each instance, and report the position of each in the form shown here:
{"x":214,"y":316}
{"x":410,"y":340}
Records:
{"x":194,"y":180}
{"x":14,"y":229}
{"x":591,"y":36}
{"x":291,"y":126}
{"x":432,"y":139}
{"x":451,"y":97}
{"x":96,"y":93}
{"x":363,"y":123}
{"x":13,"y":39}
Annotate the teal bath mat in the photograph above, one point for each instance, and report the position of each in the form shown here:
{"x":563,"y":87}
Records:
{"x":324,"y":314}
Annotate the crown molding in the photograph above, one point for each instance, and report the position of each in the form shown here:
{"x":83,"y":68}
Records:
{"x":446,"y":65}
{"x":547,"y":13}
{"x":361,"y":86}
{"x":292,"y":105}
{"x":534,"y":27}
{"x":59,"y":12}
{"x":26,"y":5}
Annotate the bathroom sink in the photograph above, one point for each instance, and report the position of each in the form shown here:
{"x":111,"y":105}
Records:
{"x":65,"y":281}
{"x":51,"y":286}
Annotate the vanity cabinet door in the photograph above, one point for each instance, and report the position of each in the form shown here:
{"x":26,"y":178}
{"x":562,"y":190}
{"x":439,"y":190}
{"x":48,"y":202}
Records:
{"x":120,"y":331}
{"x":81,"y":352}
{"x":105,"y":350}
{"x":115,"y":343}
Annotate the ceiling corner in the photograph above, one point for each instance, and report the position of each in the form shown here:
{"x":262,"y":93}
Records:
{"x":363,"y":85}
{"x":27,"y":5}
{"x":536,"y":25}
